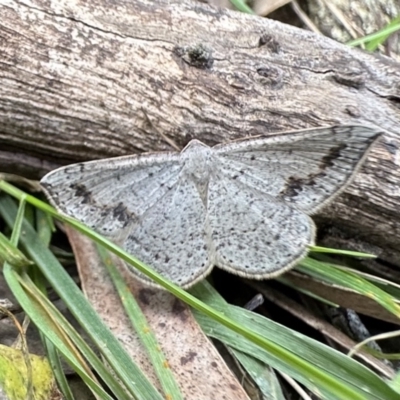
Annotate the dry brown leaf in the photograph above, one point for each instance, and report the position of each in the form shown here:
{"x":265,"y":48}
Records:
{"x":198,"y":368}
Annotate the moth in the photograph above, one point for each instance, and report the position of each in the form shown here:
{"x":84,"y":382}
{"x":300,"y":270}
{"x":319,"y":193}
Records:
{"x":243,"y":206}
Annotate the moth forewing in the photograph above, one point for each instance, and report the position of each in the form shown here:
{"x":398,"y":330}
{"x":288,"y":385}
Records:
{"x":243,"y":206}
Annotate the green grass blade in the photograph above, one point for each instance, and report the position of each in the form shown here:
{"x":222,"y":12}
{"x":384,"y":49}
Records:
{"x":336,"y":367}
{"x":11,"y":254}
{"x":56,"y":366}
{"x":259,"y":343}
{"x":379,"y":37}
{"x":263,"y":375}
{"x":35,"y":311}
{"x":9,"y":251}
{"x":128,"y":372}
{"x":351,"y":253}
{"x":345,"y":278}
{"x":242,"y":6}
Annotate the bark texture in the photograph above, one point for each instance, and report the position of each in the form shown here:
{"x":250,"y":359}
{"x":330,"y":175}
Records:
{"x":345,"y":20}
{"x":82,"y":80}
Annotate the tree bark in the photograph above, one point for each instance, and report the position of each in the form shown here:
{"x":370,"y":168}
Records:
{"x":82,"y":80}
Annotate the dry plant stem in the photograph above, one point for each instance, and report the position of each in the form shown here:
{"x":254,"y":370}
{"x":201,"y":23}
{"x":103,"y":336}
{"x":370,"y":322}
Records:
{"x":77,"y":79}
{"x":344,"y":20}
{"x":304,"y":17}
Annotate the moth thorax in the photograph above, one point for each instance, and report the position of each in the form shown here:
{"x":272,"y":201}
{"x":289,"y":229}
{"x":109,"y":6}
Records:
{"x":197,"y":164}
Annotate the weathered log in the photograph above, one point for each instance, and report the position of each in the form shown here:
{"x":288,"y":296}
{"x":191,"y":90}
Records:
{"x":82,"y":80}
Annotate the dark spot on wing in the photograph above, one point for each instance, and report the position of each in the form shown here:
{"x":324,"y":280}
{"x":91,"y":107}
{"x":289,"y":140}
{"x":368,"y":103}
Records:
{"x":293,"y":187}
{"x":334,"y":154}
{"x":121,"y":213}
{"x":83,"y":192}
